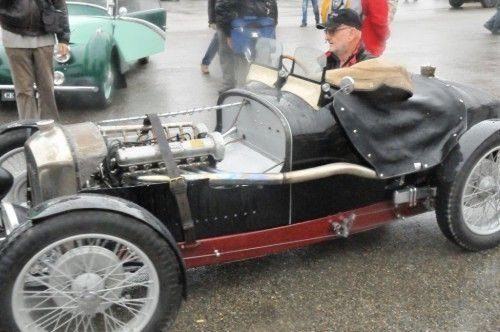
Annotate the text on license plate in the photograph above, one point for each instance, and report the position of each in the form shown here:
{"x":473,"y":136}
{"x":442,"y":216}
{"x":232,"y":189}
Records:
{"x":8,"y":95}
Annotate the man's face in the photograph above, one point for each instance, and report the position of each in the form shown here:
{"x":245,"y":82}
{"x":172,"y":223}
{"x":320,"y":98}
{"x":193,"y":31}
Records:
{"x":339,"y":39}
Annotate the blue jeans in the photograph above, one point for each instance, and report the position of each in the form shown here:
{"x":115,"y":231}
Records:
{"x":212,"y":50}
{"x":315,"y":10}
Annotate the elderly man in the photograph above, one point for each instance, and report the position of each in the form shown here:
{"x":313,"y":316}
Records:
{"x":30,"y":51}
{"x":343,"y":34}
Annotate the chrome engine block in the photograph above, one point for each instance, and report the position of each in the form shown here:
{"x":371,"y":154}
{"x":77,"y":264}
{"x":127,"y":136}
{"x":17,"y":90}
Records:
{"x":64,"y":159}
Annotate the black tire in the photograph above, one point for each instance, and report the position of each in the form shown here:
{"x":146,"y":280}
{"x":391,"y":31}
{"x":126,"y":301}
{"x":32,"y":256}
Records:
{"x":488,"y":3}
{"x":45,"y":233}
{"x":449,"y":209}
{"x":10,"y":142}
{"x":456,"y":3}
{"x":107,"y":88}
{"x":14,"y":139}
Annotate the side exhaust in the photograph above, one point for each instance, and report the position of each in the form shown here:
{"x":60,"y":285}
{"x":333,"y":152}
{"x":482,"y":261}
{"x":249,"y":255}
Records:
{"x":305,"y":175}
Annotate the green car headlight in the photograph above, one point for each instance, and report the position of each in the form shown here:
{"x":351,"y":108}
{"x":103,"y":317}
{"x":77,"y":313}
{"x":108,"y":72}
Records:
{"x":61,"y":58}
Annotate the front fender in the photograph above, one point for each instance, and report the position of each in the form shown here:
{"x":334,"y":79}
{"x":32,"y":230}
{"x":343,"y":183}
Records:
{"x":80,"y":202}
{"x":97,"y":55}
{"x":467,"y":144}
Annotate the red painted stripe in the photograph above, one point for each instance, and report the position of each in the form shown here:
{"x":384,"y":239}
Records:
{"x":243,"y":246}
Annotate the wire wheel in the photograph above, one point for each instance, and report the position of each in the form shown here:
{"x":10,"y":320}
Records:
{"x":481,"y":195}
{"x":14,"y":161}
{"x":88,"y":282}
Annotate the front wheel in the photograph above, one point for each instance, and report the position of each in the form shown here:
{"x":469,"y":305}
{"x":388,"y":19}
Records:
{"x":456,"y":3}
{"x":468,"y":207}
{"x":89,"y":271}
{"x":107,"y":87}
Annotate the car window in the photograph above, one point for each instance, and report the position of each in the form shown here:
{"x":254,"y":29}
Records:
{"x":138,"y":5}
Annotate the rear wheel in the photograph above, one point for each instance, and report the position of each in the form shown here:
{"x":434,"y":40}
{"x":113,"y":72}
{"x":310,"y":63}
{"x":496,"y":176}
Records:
{"x":468,"y":208}
{"x":456,"y":3}
{"x":89,"y":271}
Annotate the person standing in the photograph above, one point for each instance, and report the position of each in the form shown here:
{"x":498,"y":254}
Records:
{"x":314,"y":4}
{"x":213,"y":48}
{"x":225,"y":12}
{"x":30,"y":52}
{"x":493,"y":24}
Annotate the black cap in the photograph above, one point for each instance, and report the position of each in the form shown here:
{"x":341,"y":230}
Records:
{"x":340,"y":17}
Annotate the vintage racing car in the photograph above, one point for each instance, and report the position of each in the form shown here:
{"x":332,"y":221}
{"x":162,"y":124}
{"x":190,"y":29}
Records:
{"x":106,"y":217}
{"x":104,"y":38}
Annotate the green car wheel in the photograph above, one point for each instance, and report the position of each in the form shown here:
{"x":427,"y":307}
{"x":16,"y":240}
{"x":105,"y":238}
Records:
{"x":107,"y":87}
{"x":456,"y":3}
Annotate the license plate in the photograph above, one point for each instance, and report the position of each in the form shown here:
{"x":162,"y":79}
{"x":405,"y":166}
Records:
{"x":8,"y":96}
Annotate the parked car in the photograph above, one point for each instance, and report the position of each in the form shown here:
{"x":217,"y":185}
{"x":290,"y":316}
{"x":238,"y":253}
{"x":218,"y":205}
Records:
{"x":485,"y":3}
{"x":105,"y":35}
{"x":116,"y":211}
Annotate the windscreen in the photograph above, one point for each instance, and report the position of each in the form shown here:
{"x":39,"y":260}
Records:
{"x":268,"y":52}
{"x":309,"y":63}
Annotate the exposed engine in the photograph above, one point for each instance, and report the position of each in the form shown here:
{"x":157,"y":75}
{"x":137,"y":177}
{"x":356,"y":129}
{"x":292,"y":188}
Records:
{"x":86,"y":155}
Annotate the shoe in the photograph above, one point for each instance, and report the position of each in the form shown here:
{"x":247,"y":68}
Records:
{"x":303,"y":25}
{"x":204,"y":69}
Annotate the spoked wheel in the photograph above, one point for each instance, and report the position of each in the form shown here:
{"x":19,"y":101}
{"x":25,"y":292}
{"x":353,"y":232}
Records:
{"x":89,"y":271}
{"x":14,"y":162}
{"x":468,"y":209}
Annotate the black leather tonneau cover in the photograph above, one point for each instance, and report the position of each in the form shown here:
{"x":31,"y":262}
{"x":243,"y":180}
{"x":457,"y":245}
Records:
{"x":399,"y":138}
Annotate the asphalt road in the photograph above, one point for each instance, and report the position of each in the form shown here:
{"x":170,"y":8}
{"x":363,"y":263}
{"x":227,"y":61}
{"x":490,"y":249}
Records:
{"x":405,"y":276}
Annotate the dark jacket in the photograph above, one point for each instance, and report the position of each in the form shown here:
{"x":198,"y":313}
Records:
{"x":333,"y":62}
{"x":227,"y":10}
{"x":24,"y":18}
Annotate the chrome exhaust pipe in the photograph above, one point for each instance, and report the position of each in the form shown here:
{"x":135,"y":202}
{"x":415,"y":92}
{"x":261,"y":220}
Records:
{"x":305,"y":175}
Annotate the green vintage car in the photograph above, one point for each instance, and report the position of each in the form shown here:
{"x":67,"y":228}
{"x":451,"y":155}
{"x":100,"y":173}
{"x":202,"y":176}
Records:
{"x":107,"y":38}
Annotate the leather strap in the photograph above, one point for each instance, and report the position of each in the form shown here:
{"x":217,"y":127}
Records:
{"x":178,"y":185}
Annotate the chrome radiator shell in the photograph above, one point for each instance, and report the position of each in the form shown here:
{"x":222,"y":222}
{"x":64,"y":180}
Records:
{"x":62,"y":158}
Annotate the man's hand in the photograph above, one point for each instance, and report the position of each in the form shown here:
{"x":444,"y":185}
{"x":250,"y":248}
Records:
{"x":229,"y":42}
{"x":63,"y":49}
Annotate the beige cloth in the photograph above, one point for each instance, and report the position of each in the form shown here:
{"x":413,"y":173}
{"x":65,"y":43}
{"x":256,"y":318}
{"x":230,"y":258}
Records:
{"x":372,"y":74}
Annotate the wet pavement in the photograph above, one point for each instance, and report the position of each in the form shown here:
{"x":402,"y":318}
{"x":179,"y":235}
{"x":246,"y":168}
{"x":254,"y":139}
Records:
{"x":404,"y":276}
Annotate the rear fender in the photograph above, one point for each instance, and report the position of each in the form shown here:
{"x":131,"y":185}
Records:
{"x":80,"y":202}
{"x":467,"y":144}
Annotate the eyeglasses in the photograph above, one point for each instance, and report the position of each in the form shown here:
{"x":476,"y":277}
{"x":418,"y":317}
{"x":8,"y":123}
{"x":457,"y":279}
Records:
{"x":333,"y":32}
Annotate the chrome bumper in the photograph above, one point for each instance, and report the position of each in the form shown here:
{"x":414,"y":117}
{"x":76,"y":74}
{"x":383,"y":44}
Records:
{"x":60,"y":88}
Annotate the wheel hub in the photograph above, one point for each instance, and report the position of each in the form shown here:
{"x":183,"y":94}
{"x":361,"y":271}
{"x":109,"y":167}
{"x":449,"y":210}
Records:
{"x":86,"y":272}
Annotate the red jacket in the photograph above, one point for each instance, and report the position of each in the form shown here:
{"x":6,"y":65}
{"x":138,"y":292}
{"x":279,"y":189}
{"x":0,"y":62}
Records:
{"x":375,"y":30}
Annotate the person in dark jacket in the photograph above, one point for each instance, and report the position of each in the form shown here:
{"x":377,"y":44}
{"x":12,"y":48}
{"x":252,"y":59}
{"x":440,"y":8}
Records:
{"x":343,"y":34}
{"x":233,"y":67}
{"x":30,"y":52}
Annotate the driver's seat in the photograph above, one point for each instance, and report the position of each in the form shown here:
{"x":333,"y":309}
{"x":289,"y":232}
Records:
{"x":6,"y":181}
